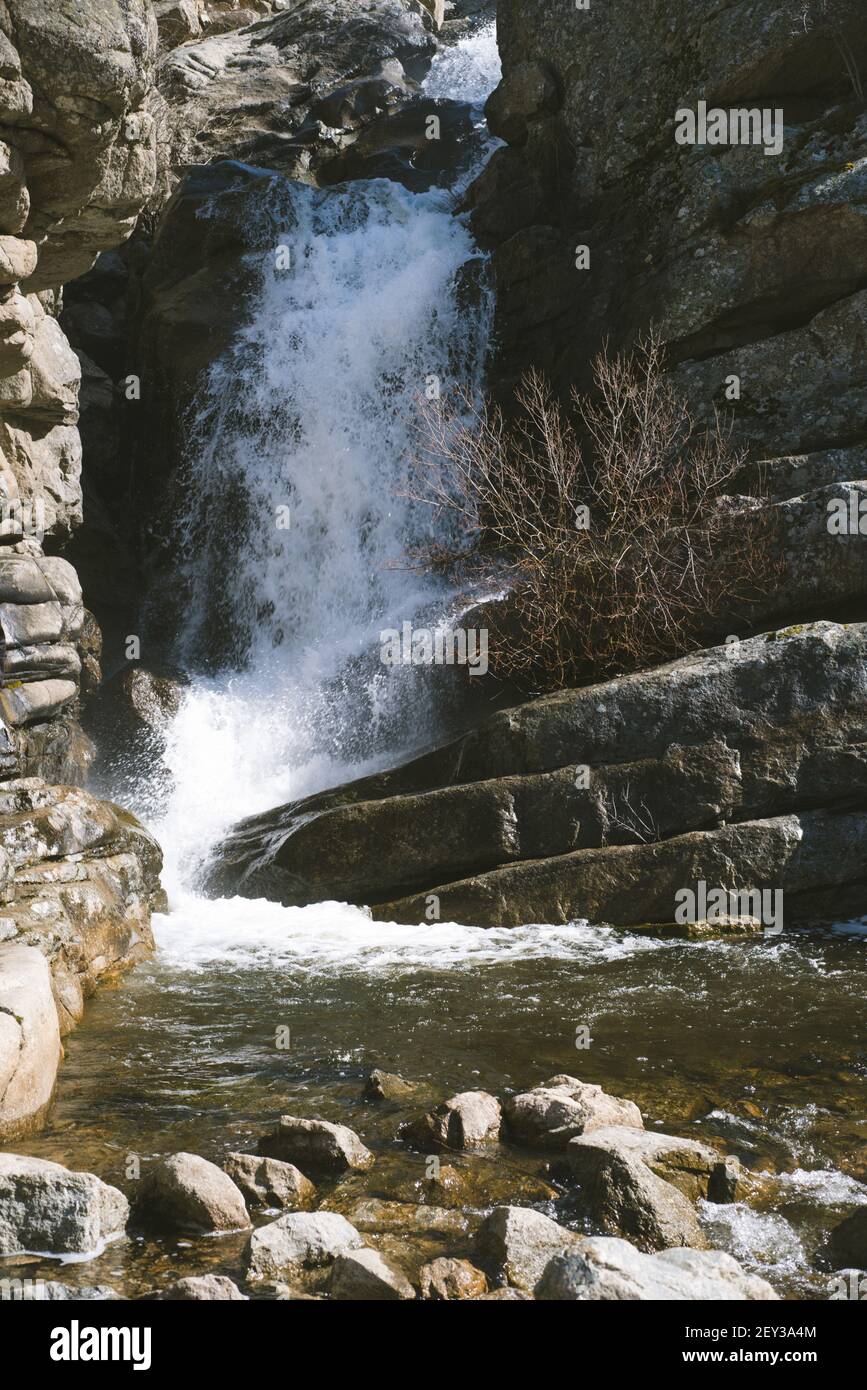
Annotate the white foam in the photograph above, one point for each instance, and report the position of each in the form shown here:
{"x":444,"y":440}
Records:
{"x":327,"y":937}
{"x":467,"y":71}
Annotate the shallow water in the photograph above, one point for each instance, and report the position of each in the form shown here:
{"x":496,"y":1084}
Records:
{"x":759,"y":1046}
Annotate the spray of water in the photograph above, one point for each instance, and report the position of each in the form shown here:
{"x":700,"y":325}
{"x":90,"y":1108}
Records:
{"x":296,"y":522}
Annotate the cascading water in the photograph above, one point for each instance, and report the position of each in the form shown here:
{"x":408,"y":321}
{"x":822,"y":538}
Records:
{"x":296,"y":527}
{"x":313,"y":412}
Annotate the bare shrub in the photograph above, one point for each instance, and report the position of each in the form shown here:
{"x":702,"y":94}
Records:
{"x":661,"y":557}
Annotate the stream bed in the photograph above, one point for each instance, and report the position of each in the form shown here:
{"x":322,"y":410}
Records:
{"x":757,"y":1046}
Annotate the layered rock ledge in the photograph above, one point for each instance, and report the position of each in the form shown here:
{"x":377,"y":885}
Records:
{"x":742,"y":765}
{"x":78,"y":876}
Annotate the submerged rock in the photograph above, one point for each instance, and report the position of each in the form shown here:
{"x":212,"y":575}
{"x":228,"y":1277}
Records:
{"x":190,"y":1196}
{"x":369,"y":1276}
{"x":46,"y":1208}
{"x":607,"y":1269}
{"x":385,"y":1085}
{"x":447,"y":1279}
{"x":376,"y":1216}
{"x":203,"y":1288}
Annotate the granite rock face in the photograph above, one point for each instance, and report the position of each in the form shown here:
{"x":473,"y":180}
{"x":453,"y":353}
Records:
{"x":275,"y":92}
{"x":78,"y":877}
{"x":748,"y":256}
{"x":741,"y":766}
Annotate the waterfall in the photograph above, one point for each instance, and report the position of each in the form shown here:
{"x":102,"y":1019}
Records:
{"x":294,"y":543}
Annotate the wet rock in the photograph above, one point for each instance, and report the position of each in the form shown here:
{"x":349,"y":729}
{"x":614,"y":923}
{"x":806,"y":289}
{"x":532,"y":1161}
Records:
{"x":30,"y":1049}
{"x":375,"y":1216}
{"x":558,"y":1110}
{"x":316,"y":1145}
{"x":847,"y":1243}
{"x":203,"y":1288}
{"x":730,"y":1181}
{"x":479,"y":1184}
{"x":504,"y":1296}
{"x":367,"y":1275}
{"x":45,"y":1207}
{"x":715,"y":929}
{"x":609,"y":1269}
{"x":266,"y":1182}
{"x":233,"y":95}
{"x":619,"y":1171}
{"x":82,"y":878}
{"x":703,"y":739}
{"x":386,"y":1085}
{"x":138,"y":701}
{"x":519,"y":1242}
{"x":299,"y":1241}
{"x":91,"y":1293}
{"x":466,"y":1121}
{"x":530,"y":90}
{"x":190,"y":1196}
{"x":446,"y":1279}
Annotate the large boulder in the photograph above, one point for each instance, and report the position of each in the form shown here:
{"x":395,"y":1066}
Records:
{"x":266,"y":1182}
{"x":555,"y":1112}
{"x":606,"y":1269}
{"x":30,"y":1048}
{"x":750,"y":260}
{"x":45,"y":1208}
{"x":249,"y":95}
{"x":316,"y":1145}
{"x":187,"y":1195}
{"x":298,"y":1242}
{"x":518,"y":1242}
{"x":623,"y":1190}
{"x":81,"y":879}
{"x":465,"y":1121}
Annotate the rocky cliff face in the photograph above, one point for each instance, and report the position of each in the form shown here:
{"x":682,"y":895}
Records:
{"x":77,"y":162}
{"x":737,"y":765}
{"x":753,"y":264}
